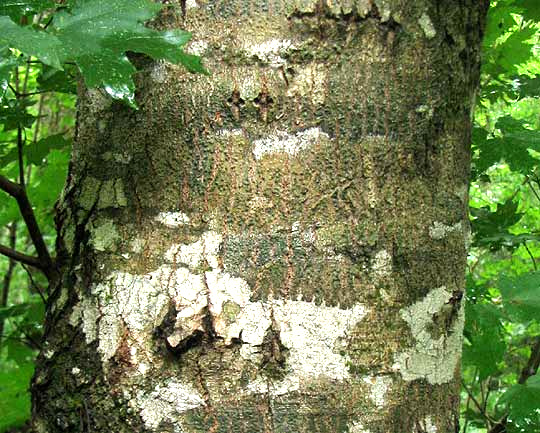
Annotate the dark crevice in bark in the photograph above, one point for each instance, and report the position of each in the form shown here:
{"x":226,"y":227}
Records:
{"x":323,"y":11}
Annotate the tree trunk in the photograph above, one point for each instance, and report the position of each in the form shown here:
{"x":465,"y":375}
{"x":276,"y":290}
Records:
{"x":279,"y":247}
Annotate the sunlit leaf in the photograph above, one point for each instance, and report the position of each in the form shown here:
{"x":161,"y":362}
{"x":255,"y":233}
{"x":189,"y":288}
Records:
{"x":98,"y":33}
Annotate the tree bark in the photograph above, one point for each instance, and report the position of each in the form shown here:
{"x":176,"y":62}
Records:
{"x":279,"y":247}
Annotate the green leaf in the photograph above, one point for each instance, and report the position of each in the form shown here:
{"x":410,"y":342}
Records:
{"x":491,"y":228}
{"x":193,"y":63}
{"x":523,"y":400}
{"x":52,"y":79}
{"x":500,"y":20}
{"x":33,"y":310}
{"x":484,"y":347}
{"x":36,"y":152}
{"x":15,"y":9}
{"x":14,"y":395}
{"x":521,"y":296}
{"x":7,"y":64}
{"x":98,"y":33}
{"x":512,"y":147}
{"x":530,"y":9}
{"x":14,"y":112}
{"x":517,"y":49}
{"x":527,"y":86}
{"x":44,"y":46}
{"x":44,"y":192}
{"x":111,"y":72}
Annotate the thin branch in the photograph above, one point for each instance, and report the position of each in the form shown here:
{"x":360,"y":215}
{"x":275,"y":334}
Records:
{"x":34,"y":285}
{"x":532,"y":189}
{"x":20,"y":257}
{"x":529,"y":370}
{"x":530,"y":255}
{"x":26,"y":94}
{"x":532,"y":364}
{"x":34,"y":344}
{"x":19,"y":194}
{"x":476,"y":403}
{"x":8,"y":275}
{"x":20,"y":152}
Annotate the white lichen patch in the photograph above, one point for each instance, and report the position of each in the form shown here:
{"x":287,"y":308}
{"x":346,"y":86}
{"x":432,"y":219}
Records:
{"x":292,"y":144}
{"x":172,"y":219}
{"x":430,"y":427}
{"x":440,"y":231}
{"x":195,"y":255}
{"x":166,"y":402}
{"x":313,"y":335}
{"x":159,"y":72}
{"x":103,"y":234}
{"x":272,"y":51}
{"x":382,"y":264}
{"x":197,"y":47}
{"x":427,"y":26}
{"x":125,"y":309}
{"x":431,"y":358}
{"x":258,"y":203}
{"x":379,"y":386}
{"x":310,"y":81}
{"x":384,"y":9}
{"x":357,"y":427}
{"x":140,"y":301}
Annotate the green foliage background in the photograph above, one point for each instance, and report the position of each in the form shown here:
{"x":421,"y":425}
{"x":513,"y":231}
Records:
{"x":47,"y":46}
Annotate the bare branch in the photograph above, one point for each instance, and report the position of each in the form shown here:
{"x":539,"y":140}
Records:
{"x":20,"y":257}
{"x":19,"y":194}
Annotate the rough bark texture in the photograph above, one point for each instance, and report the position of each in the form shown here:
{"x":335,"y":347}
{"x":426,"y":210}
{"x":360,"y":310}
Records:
{"x":279,"y":247}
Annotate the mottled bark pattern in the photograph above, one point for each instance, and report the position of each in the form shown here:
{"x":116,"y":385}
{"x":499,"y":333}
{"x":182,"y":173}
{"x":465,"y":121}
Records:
{"x":279,"y":247}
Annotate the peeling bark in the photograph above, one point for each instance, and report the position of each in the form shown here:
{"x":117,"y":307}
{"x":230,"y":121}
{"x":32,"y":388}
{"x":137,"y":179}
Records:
{"x":279,"y":247}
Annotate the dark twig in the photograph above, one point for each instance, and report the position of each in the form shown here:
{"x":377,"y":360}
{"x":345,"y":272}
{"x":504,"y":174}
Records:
{"x":20,"y":257}
{"x":476,"y":403}
{"x":34,"y":285}
{"x":8,"y":275}
{"x":20,"y":152}
{"x":24,"y":95}
{"x":529,"y":370}
{"x":532,"y":189}
{"x":18,"y":193}
{"x":532,"y":364}
{"x":530,"y":255}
